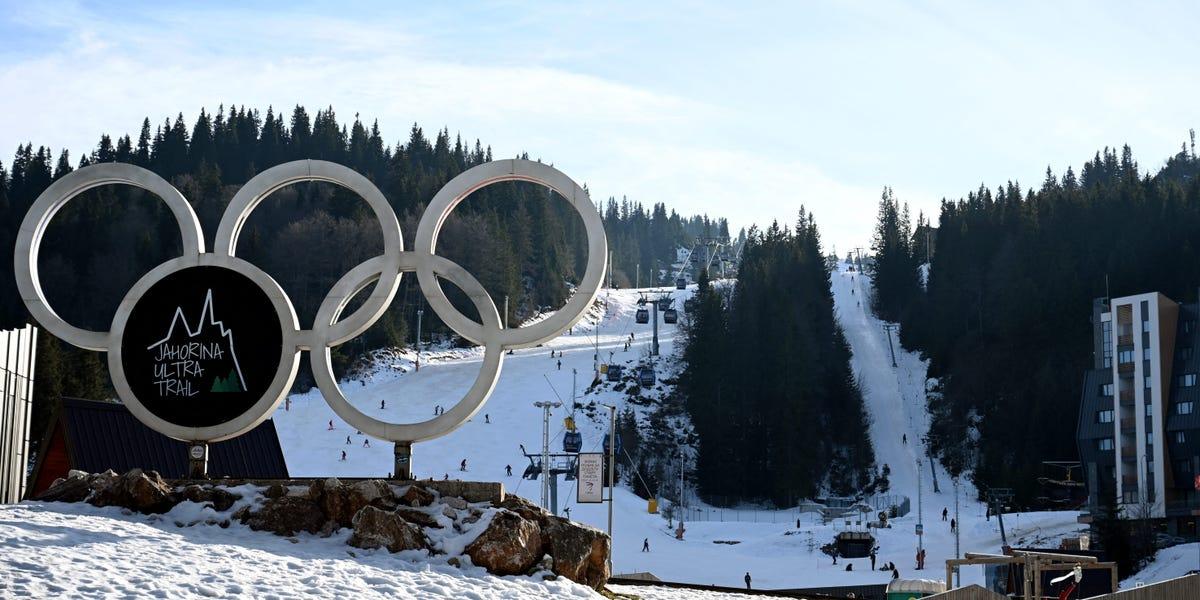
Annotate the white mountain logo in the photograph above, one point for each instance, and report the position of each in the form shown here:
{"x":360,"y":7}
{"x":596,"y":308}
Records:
{"x":187,"y":356}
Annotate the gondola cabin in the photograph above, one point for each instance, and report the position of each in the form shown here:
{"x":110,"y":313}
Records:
{"x":670,"y":316}
{"x":643,"y":316}
{"x":646,"y":376}
{"x":572,"y":442}
{"x":615,"y":372}
{"x":681,"y":284}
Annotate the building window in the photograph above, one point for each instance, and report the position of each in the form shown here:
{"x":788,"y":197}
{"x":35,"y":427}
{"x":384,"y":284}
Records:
{"x":1104,"y":416}
{"x":1145,"y":354}
{"x":1185,"y":353}
{"x":1189,"y":326}
{"x":1149,"y":410}
{"x":1145,"y":326}
{"x":1105,"y":444}
{"x":1106,"y":389}
{"x":1187,"y":380}
{"x":1184,"y":468}
{"x":1107,"y":336}
{"x":1180,"y":437}
{"x":1125,"y":356}
{"x":1149,"y":437}
{"x":1146,"y":382}
{"x":1183,"y":408}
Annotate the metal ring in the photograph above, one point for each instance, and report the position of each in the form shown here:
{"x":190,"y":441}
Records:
{"x":33,"y":228}
{"x":264,"y":184}
{"x":281,"y":383}
{"x":512,"y":170}
{"x":468,"y":406}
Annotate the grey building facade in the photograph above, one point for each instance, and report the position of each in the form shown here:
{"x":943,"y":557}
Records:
{"x":1139,"y":418}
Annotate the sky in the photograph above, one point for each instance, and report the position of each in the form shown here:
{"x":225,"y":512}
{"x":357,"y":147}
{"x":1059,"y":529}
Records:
{"x":740,"y":110}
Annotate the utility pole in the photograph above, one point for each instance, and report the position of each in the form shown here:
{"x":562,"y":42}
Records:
{"x":957,"y":529}
{"x":654,"y":344}
{"x":920,"y":512}
{"x":546,"y":406}
{"x":610,"y":268}
{"x":419,"y":313}
{"x":681,"y":464}
{"x":890,"y":327}
{"x":612,"y":472}
{"x":638,"y":282}
{"x":506,"y":312}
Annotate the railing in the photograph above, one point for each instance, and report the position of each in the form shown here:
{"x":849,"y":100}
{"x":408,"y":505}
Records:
{"x":1125,"y":368}
{"x":1125,"y":340}
{"x":812,"y":512}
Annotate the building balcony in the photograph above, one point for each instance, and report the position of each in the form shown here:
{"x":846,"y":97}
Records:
{"x":1125,"y":369}
{"x":1128,"y":453}
{"x":1128,"y":425}
{"x":1126,"y":397}
{"x":1125,"y":340}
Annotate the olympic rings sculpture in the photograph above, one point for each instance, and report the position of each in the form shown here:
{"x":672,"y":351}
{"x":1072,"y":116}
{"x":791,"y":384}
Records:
{"x":330,"y":328}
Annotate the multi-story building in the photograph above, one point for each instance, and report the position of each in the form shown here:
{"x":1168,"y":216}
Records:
{"x":1139,"y":419}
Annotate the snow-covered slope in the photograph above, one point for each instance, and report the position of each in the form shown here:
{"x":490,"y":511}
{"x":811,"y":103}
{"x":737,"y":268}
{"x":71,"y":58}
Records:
{"x":1169,"y":563}
{"x":778,"y":554}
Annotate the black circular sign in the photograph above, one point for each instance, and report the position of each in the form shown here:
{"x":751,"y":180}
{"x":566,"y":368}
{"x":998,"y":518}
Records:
{"x":201,"y":346}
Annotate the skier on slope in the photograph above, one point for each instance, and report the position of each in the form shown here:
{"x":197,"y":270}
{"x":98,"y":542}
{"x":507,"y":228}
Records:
{"x":508,"y":470}
{"x":347,"y":440}
{"x":343,"y":455}
{"x":367,"y":443}
{"x":463,"y":465}
{"x":331,"y":425}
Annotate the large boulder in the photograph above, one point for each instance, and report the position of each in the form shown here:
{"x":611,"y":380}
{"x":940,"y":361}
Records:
{"x":580,"y":552}
{"x":342,"y":502}
{"x":286,"y":516}
{"x":511,"y":545}
{"x":76,"y":487}
{"x":525,"y":508}
{"x":377,"y":528}
{"x":142,"y":491}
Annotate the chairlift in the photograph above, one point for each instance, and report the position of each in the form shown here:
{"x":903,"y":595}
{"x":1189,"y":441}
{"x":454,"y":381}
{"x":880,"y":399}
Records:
{"x":643,"y":316}
{"x":670,"y":316}
{"x":646,"y":376}
{"x":572,"y":442}
{"x":615,"y":372}
{"x":681,"y":284}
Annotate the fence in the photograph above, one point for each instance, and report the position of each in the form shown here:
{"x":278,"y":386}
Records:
{"x":17,"y":348}
{"x":807,"y":511}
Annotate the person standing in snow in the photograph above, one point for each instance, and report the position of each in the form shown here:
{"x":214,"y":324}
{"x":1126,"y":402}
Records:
{"x":560,"y":365}
{"x":747,"y":578}
{"x":945,"y":513}
{"x":645,"y":544}
{"x":463,"y":465}
{"x":904,"y":438}
{"x":953,"y":525}
{"x":508,"y":470}
{"x":487,"y":418}
{"x":367,"y":443}
{"x":347,"y":440}
{"x":382,"y":404}
{"x":331,"y":425}
{"x":872,"y":560}
{"x":895,"y":573}
{"x":343,"y":455}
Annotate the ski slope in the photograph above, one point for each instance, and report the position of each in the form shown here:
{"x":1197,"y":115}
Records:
{"x":777,"y":554}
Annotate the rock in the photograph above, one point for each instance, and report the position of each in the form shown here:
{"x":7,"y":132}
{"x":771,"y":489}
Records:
{"x":580,"y":553}
{"x":376,"y":528}
{"x":342,"y":502}
{"x":450,"y":513}
{"x":219,"y":499}
{"x":286,"y":516}
{"x":275,"y":490}
{"x":510,"y":545}
{"x":454,"y":562}
{"x":456,"y":503}
{"x":417,"y":517}
{"x":142,"y":491}
{"x":71,"y":489}
{"x":526,"y":509}
{"x":416,"y":496}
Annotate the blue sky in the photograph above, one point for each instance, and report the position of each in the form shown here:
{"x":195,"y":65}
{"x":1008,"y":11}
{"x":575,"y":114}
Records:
{"x":743,"y":110}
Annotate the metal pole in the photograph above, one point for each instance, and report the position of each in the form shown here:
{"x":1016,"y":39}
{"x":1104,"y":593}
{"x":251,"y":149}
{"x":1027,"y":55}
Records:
{"x":889,"y":327}
{"x":654,"y":346}
{"x":612,"y":472}
{"x":419,"y":313}
{"x":638,"y":281}
{"x":957,"y":529}
{"x":921,"y":514}
{"x":681,"y":481}
{"x":506,"y":313}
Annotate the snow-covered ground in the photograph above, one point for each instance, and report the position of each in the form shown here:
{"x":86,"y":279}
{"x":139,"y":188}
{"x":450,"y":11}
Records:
{"x":203,"y":560}
{"x":1169,"y":563}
